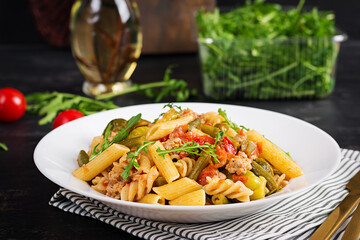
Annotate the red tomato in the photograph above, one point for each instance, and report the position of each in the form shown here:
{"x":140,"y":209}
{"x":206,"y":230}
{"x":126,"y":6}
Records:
{"x":12,"y":104}
{"x":223,"y":156}
{"x":183,"y":154}
{"x":241,"y":132}
{"x":180,"y":130}
{"x":66,"y":116}
{"x":240,"y":178}
{"x":229,"y":146}
{"x":163,"y":139}
{"x":209,"y":171}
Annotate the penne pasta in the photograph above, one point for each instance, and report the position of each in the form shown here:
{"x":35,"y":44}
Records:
{"x":152,"y":198}
{"x":144,"y":164}
{"x":98,"y":164}
{"x":162,"y":129}
{"x":186,"y":159}
{"x":277,"y":157}
{"x":165,"y":165}
{"x":196,"y":198}
{"x":177,"y":188}
{"x":97,"y":141}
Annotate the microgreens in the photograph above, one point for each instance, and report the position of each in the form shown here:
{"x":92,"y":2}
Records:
{"x":195,"y":148}
{"x":133,"y":156}
{"x":229,"y":122}
{"x":122,"y":134}
{"x":259,"y":35}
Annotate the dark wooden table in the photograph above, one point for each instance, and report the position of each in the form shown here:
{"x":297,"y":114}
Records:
{"x":25,"y":192}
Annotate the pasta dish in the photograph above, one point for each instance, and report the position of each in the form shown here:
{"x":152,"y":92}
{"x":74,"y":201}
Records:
{"x":184,"y":158}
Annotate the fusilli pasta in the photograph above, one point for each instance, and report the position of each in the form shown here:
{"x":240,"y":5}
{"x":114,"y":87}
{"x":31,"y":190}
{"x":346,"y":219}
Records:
{"x":228,"y":188}
{"x":184,"y":166}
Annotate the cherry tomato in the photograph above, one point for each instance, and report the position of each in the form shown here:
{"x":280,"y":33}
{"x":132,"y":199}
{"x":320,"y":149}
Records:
{"x":66,"y":116}
{"x":12,"y":104}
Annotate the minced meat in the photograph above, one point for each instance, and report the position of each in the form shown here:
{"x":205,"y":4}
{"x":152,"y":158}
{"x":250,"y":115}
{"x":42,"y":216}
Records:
{"x":239,"y":164}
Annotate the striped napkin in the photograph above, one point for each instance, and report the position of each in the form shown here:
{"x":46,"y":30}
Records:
{"x":296,"y":217}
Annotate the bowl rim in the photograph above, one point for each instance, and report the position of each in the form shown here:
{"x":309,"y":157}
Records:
{"x":103,"y":198}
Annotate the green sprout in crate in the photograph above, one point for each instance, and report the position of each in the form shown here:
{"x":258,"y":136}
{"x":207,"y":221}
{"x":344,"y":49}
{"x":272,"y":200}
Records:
{"x":261,"y":51}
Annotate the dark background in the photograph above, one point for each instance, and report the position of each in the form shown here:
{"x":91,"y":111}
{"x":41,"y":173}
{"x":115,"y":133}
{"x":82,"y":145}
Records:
{"x":17,"y":26}
{"x":29,"y":65}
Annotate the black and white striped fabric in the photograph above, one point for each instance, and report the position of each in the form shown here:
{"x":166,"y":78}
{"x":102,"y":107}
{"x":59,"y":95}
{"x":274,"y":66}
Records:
{"x":294,"y":218}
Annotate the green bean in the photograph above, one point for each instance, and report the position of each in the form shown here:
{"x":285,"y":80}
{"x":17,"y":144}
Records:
{"x":160,"y":181}
{"x":265,"y":165}
{"x":82,"y":158}
{"x":199,"y":165}
{"x":228,"y":175}
{"x":212,"y":131}
{"x":222,"y":126}
{"x":277,"y":171}
{"x":195,"y":123}
{"x":271,"y":184}
{"x":133,"y":142}
{"x":219,"y":199}
{"x":137,"y":132}
{"x":248,"y":146}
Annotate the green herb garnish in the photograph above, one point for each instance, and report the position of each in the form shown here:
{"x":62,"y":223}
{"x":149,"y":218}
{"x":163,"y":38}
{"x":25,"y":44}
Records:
{"x":122,"y":134}
{"x":262,"y":51}
{"x":169,"y":105}
{"x":194,"y":148}
{"x":48,"y":105}
{"x":133,"y":156}
{"x":230,"y":123}
{"x":168,"y":87}
{"x":3,"y":146}
{"x":172,"y":105}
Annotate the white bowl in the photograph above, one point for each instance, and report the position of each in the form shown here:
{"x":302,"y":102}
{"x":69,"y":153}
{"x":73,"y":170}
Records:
{"x":314,"y":150}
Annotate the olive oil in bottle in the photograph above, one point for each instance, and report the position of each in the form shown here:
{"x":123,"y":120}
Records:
{"x":106,"y":42}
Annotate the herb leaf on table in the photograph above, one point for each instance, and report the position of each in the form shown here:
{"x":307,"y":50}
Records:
{"x":49,"y":104}
{"x":3,"y":146}
{"x":168,"y":87}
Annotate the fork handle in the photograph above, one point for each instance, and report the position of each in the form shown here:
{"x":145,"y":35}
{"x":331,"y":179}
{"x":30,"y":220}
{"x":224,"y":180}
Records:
{"x":336,"y":218}
{"x":352,"y":231}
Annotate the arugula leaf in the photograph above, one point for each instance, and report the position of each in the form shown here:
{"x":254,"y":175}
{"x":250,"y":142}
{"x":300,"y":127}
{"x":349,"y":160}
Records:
{"x":48,"y":105}
{"x":133,"y":156}
{"x":172,"y":105}
{"x":122,"y":134}
{"x":3,"y":146}
{"x":195,"y":148}
{"x":168,"y":87}
{"x":230,"y":123}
